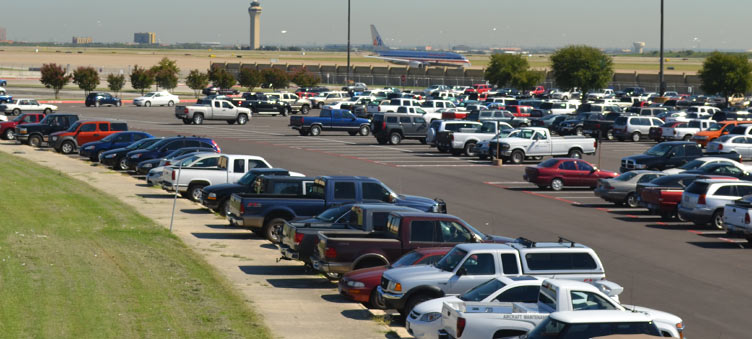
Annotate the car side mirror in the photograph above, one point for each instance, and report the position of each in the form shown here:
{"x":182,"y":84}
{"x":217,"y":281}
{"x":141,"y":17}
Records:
{"x":461,"y":271}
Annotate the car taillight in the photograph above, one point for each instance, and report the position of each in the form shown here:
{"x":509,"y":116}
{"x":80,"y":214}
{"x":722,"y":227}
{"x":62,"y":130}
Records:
{"x":173,"y":174}
{"x":595,"y":144}
{"x":330,"y":253}
{"x":701,"y":199}
{"x":720,"y":147}
{"x":167,"y":163}
{"x":746,"y":218}
{"x":451,"y":137}
{"x":298,"y":238}
{"x":185,"y":110}
{"x":460,"y":326}
{"x":383,"y":125}
{"x":242,"y":209}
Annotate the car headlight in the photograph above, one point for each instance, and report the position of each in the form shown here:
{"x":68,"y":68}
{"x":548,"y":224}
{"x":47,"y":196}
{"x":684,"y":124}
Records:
{"x":701,"y":137}
{"x":110,"y":156}
{"x":22,"y":131}
{"x":89,"y":148}
{"x":505,"y":146}
{"x":353,"y":284}
{"x":394,"y":286}
{"x":640,"y":166}
{"x":136,"y":156}
{"x":213,"y":196}
{"x":54,"y":138}
{"x":148,"y":165}
{"x":430,"y":317}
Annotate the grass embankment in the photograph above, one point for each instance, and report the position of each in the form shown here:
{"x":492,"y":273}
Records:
{"x":76,"y":263}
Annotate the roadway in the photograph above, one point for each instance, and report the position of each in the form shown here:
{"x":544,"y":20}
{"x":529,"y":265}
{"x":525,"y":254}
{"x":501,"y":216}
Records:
{"x":694,"y":272}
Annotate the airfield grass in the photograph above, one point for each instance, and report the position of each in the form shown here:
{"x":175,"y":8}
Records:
{"x":76,"y":263}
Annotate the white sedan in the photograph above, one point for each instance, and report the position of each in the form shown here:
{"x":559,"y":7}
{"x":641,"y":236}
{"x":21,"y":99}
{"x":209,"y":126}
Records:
{"x":702,"y":162}
{"x":161,"y":98}
{"x":18,"y":106}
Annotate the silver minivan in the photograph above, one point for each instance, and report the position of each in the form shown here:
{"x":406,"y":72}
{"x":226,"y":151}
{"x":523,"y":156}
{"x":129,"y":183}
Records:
{"x":634,"y":128}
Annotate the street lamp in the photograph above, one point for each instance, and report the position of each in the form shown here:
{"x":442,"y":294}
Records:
{"x":662,"y":86}
{"x":347,"y":79}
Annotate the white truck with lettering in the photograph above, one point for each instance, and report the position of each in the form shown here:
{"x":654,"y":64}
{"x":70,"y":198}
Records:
{"x":499,"y":320}
{"x":538,"y":142}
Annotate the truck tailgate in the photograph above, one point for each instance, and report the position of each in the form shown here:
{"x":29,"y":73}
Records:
{"x":737,"y":214}
{"x":296,"y":120}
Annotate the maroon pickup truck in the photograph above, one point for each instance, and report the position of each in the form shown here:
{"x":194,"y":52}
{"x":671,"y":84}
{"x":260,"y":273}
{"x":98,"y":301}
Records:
{"x":662,"y":196}
{"x":338,"y":253}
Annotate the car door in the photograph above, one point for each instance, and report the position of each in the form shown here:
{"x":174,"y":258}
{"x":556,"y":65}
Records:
{"x":349,"y":121}
{"x":337,"y":121}
{"x":475,"y":269}
{"x":587,"y":174}
{"x":124,"y":139}
{"x":87,"y":132}
{"x":569,"y":173}
{"x":421,"y":126}
{"x":408,"y":127}
{"x":541,"y":144}
{"x":745,"y":150}
{"x":228,"y":110}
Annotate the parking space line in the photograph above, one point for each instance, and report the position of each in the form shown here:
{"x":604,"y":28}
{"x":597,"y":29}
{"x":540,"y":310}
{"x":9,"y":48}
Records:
{"x":578,"y":197}
{"x":505,"y":182}
{"x":468,"y":165}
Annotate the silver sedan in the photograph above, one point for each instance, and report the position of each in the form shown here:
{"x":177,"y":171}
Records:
{"x":733,"y":143}
{"x":621,"y":190}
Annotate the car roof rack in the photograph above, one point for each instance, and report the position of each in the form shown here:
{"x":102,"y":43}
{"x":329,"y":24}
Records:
{"x":563,"y":240}
{"x":525,"y":242}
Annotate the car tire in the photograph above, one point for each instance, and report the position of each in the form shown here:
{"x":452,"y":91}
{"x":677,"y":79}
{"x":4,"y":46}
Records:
{"x":147,"y":104}
{"x":35,"y":141}
{"x":716,"y":221}
{"x":242,"y":119}
{"x":224,"y":207}
{"x":198,"y":119}
{"x":194,"y":192}
{"x":557,"y":184}
{"x":47,"y":111}
{"x":304,"y":109}
{"x":302,"y":132}
{"x":631,"y":200}
{"x":96,"y":104}
{"x":441,"y":149}
{"x":423,"y":141}
{"x":636,"y":136}
{"x":271,"y":227}
{"x":687,"y":137}
{"x":119,"y":103}
{"x":315,"y":130}
{"x":353,"y":133}
{"x":374,"y":301}
{"x":381,"y":141}
{"x":395,"y":138}
{"x":170,"y":103}
{"x":122,"y":164}
{"x":468,"y":150}
{"x":283,"y":112}
{"x":414,"y":301}
{"x":517,"y":157}
{"x":364,"y":131}
{"x":575,"y":153}
{"x":16,"y":111}
{"x":95,"y":158}
{"x":230,"y":122}
{"x":10,"y":134}
{"x":186,"y":121}
{"x":67,"y":147}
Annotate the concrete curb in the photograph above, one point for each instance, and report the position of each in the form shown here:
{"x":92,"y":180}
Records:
{"x":74,"y":101}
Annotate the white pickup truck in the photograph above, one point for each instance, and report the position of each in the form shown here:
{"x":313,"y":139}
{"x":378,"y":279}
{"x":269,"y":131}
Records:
{"x":498,"y":320}
{"x":601,"y":94}
{"x":395,"y":103}
{"x":685,"y":132}
{"x":464,"y":140}
{"x":205,"y":169}
{"x":538,"y":142}
{"x":737,"y":217}
{"x":212,"y":109}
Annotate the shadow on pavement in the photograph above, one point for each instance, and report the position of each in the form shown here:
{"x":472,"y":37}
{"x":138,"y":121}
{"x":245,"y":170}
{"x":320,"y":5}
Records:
{"x":155,"y":196}
{"x":195,"y":211}
{"x":312,"y":283}
{"x":357,"y":314}
{"x":226,"y":236}
{"x":677,"y":227}
{"x":273,"y":270}
{"x":336,"y":298}
{"x":718,"y":245}
{"x":223,"y":227}
{"x":269,"y":246}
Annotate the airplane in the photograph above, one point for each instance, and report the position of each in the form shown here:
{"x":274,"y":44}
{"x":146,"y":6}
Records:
{"x":420,"y":59}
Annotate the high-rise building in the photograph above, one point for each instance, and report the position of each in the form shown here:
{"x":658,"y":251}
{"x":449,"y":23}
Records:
{"x":81,"y":40}
{"x":639,"y":47}
{"x":145,"y":38}
{"x":255,"y":12}
{"x":2,"y":34}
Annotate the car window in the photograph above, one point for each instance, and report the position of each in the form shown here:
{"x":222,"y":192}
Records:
{"x":88,"y":128}
{"x":216,"y":104}
{"x":104,"y":127}
{"x":452,"y":231}
{"x":568,"y":165}
{"x":404,"y":120}
{"x":560,"y":261}
{"x":422,"y":231}
{"x":238,"y":166}
{"x":743,"y":190}
{"x":419,"y":120}
{"x":583,"y":166}
{"x":522,"y":294}
{"x":344,"y":190}
{"x":647,"y":178}
{"x":206,"y":162}
{"x":122,"y":138}
{"x":336,"y":115}
{"x":226,"y":104}
{"x":582,"y":300}
{"x":509,"y":264}
{"x":728,"y":190}
{"x":739,"y":140}
{"x":375,"y":191}
{"x":391,"y":119}
{"x":286,"y":188}
{"x":256,"y":164}
{"x":479,"y":264}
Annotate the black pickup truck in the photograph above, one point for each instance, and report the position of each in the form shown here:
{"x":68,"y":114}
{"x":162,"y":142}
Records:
{"x":602,"y":126}
{"x":35,"y":134}
{"x":669,"y":154}
{"x":215,"y":197}
{"x":298,"y":239}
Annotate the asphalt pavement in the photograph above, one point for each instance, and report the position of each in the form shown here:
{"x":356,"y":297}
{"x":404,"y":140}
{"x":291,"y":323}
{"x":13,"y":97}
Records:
{"x":692,"y":271}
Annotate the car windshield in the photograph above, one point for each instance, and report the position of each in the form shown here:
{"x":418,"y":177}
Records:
{"x":692,"y":165}
{"x":554,"y":329}
{"x":74,"y":127}
{"x":19,"y":118}
{"x":451,"y":259}
{"x":247,"y":178}
{"x":407,"y":259}
{"x":158,"y":144}
{"x":137,"y":144}
{"x":333,"y":214}
{"x":626,"y":176}
{"x":150,"y":94}
{"x":715,"y":127}
{"x":659,"y":150}
{"x":110,"y":137}
{"x":190,"y":158}
{"x":482,"y":291}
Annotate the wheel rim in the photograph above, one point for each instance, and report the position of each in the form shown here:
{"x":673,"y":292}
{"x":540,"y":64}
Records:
{"x":196,"y":194}
{"x":576,"y":155}
{"x":198,"y":119}
{"x":364,"y":131}
{"x":147,"y":104}
{"x":34,"y":141}
{"x":123,"y":164}
{"x":274,"y":230}
{"x":718,"y":221}
{"x":225,"y":208}
{"x":636,"y":137}
{"x":632,"y":200}
{"x":315,"y":131}
{"x":556,"y":184}
{"x":241,"y":120}
{"x":517,"y":157}
{"x":610,"y":135}
{"x":395,"y":139}
{"x":10,"y":135}
{"x":67,"y":148}
{"x":170,"y":103}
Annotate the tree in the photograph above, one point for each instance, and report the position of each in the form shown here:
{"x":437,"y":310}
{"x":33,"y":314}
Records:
{"x":504,"y":67}
{"x":276,"y":77}
{"x":165,"y":73}
{"x":250,"y":78}
{"x":141,"y":79}
{"x":221,"y":78}
{"x":87,"y":79}
{"x":115,"y":82}
{"x":303,"y":78}
{"x":197,"y":81}
{"x":527,"y":80}
{"x":584,"y":67}
{"x":725,"y":74}
{"x":53,"y":76}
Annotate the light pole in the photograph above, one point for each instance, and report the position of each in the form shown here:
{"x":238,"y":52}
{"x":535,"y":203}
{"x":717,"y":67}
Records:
{"x":662,"y":86}
{"x":347,"y":79}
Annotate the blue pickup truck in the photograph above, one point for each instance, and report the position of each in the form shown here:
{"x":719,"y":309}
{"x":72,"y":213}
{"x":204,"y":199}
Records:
{"x":5,"y":98}
{"x":266,"y":214}
{"x":331,"y":120}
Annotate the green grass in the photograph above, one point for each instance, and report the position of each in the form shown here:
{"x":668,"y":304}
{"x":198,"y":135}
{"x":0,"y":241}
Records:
{"x":77,"y":263}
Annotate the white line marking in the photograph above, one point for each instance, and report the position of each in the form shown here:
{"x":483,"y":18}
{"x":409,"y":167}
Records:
{"x":442,"y":165}
{"x":506,"y":182}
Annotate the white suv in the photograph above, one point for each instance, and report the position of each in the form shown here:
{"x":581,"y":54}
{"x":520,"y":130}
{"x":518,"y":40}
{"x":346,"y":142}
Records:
{"x":635,"y":127}
{"x":703,"y":201}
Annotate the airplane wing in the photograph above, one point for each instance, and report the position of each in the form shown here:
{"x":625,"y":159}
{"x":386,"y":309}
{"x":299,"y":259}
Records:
{"x":390,"y":59}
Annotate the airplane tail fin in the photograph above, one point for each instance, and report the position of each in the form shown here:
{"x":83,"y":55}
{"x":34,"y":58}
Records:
{"x":377,"y":42}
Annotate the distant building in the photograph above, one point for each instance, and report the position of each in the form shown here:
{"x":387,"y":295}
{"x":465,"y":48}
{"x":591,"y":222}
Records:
{"x":148,"y":38}
{"x":639,"y":47}
{"x":2,"y":34}
{"x":81,"y":40}
{"x":255,"y":12}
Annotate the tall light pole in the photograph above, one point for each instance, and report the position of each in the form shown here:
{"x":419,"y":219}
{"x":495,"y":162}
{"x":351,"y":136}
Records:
{"x":662,"y":86}
{"x":347,"y":79}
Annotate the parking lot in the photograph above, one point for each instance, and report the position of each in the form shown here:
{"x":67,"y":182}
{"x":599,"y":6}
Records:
{"x":694,"y":272}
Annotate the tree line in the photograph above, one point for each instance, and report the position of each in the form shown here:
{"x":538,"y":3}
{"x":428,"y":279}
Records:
{"x":165,"y":75}
{"x":587,"y":68}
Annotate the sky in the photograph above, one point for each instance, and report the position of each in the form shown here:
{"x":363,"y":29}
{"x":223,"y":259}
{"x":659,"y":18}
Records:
{"x":689,"y":24}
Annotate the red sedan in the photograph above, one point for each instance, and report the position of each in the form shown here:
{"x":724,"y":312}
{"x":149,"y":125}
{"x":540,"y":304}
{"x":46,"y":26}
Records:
{"x":360,"y":285}
{"x":560,"y":172}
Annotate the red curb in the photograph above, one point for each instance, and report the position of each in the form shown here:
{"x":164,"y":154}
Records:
{"x":74,"y":101}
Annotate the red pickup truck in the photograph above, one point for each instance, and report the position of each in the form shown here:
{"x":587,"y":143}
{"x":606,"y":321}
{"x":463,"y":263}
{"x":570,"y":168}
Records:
{"x":662,"y":196}
{"x":338,"y":253}
{"x":478,"y":88}
{"x":8,"y":128}
{"x":519,"y":111}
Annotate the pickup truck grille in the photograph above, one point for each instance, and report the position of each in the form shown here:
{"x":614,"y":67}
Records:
{"x":384,"y":283}
{"x":628,"y":164}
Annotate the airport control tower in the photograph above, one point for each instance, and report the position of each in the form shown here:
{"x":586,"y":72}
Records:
{"x":255,"y":12}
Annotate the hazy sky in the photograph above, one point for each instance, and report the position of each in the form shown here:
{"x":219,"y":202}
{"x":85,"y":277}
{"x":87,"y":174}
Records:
{"x":719,"y":24}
